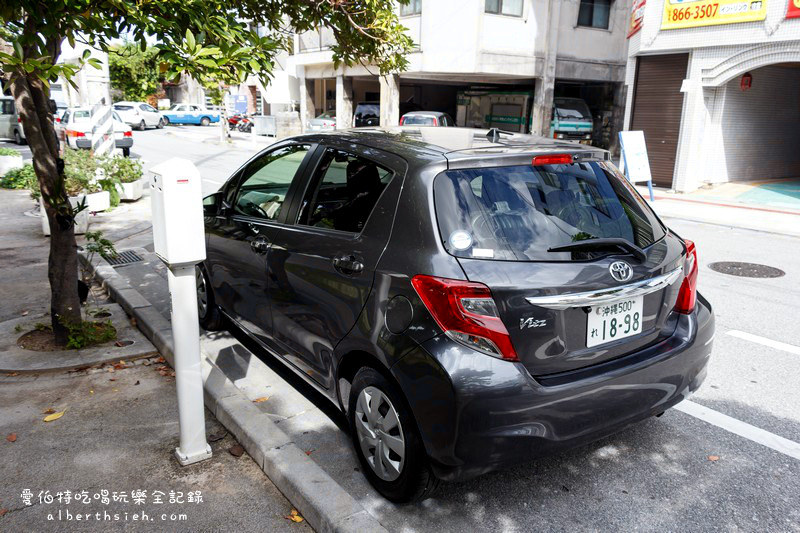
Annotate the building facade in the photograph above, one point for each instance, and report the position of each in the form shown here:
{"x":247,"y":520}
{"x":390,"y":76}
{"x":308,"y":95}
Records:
{"x":715,"y":86}
{"x":484,"y":62}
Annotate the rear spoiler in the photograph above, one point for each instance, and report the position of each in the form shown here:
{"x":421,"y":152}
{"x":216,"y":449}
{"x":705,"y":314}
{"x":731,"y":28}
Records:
{"x":512,"y":155}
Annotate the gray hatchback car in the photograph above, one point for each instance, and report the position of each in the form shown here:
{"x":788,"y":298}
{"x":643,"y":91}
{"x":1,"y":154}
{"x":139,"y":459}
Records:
{"x":469,"y":299}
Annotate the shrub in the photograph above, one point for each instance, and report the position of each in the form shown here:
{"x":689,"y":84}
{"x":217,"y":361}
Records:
{"x":123,"y":169}
{"x":20,"y":178}
{"x":8,"y":151}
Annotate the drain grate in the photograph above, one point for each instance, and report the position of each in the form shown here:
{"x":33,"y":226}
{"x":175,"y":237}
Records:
{"x":124,"y":258}
{"x":746,"y":270}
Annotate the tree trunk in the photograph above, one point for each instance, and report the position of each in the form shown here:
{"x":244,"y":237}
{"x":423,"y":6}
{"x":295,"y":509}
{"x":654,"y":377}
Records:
{"x":31,"y":97}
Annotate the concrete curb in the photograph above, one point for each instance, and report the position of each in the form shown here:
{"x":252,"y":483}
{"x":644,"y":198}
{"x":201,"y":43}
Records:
{"x":320,"y":499}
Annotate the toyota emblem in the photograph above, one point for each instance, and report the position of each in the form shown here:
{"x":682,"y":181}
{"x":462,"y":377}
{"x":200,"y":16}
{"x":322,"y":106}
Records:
{"x":620,"y":271}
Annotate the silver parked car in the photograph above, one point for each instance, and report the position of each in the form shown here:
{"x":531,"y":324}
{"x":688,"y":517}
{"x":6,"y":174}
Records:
{"x":426,"y":118}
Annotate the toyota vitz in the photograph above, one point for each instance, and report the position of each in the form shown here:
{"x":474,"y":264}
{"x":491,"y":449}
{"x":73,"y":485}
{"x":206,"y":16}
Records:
{"x":469,"y":299}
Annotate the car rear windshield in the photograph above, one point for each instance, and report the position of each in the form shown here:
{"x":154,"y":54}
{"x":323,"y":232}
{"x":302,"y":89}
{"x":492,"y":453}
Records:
{"x":418,"y":120}
{"x":368,"y":110}
{"x":123,"y":107}
{"x":517,"y":213}
{"x":81,"y":116}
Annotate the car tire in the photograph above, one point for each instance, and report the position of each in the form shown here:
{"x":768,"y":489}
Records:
{"x":205,"y":121}
{"x":18,"y":138}
{"x":208,"y":313}
{"x":165,"y":120}
{"x":413,"y":480}
{"x":126,"y":152}
{"x":142,"y":126}
{"x":160,"y":124}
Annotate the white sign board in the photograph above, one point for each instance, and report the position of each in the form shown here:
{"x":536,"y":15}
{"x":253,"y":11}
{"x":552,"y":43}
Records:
{"x":634,"y":158}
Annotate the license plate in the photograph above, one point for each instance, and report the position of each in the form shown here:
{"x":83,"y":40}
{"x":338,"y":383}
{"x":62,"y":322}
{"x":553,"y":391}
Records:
{"x":606,"y":323}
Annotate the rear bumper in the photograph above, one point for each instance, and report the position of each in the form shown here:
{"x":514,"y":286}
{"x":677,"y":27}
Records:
{"x":83,"y":142}
{"x":477,"y":413}
{"x":125,"y":142}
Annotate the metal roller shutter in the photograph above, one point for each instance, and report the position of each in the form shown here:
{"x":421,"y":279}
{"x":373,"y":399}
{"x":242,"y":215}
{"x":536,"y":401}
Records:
{"x":657,"y":108}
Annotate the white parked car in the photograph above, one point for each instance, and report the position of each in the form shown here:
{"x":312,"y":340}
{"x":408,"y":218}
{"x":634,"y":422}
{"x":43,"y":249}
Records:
{"x":139,"y":115}
{"x":324,"y":122}
{"x":75,"y":129}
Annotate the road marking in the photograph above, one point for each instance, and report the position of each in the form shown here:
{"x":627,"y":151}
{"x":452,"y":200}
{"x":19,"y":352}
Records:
{"x":764,"y":341}
{"x":743,"y":429}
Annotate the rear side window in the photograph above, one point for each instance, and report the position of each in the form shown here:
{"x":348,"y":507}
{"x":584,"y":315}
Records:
{"x":344,"y":191}
{"x":517,"y":213}
{"x":266,"y":182}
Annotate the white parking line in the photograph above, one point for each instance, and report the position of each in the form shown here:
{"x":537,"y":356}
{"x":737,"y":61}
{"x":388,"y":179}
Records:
{"x":764,"y":341}
{"x":743,"y":429}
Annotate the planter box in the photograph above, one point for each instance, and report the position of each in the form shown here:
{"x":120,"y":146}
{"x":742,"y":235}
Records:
{"x":131,"y":192}
{"x":9,"y":162}
{"x":98,"y":201}
{"x":81,"y":219}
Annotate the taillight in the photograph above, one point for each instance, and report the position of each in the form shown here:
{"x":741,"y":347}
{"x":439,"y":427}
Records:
{"x":402,"y":119}
{"x":435,"y":122}
{"x":127,"y":134}
{"x":555,"y":159}
{"x":467,"y":314}
{"x":687,"y":296}
{"x":73,"y":133}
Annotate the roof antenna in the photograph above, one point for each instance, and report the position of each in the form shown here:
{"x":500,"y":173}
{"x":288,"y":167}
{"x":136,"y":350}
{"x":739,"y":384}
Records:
{"x":494,"y":134}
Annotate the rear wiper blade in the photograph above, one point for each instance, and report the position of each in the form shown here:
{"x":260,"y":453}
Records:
{"x":599,"y":244}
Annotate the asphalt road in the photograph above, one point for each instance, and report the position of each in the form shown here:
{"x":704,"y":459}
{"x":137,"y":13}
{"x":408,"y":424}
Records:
{"x":656,"y":475}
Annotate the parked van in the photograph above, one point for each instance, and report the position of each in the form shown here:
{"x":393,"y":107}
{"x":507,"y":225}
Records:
{"x":11,"y":124}
{"x":572,"y":120}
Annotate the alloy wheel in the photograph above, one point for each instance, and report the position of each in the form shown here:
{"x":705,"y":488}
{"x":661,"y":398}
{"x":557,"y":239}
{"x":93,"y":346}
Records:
{"x":202,"y":293}
{"x":380,"y":433}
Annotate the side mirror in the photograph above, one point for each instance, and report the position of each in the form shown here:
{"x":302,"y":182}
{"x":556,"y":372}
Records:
{"x":211,"y":204}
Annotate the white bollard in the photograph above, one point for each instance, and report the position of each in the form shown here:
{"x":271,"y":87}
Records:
{"x":179,"y":241}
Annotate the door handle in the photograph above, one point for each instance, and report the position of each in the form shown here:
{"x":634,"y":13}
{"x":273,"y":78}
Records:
{"x":348,"y":265}
{"x":259,"y":245}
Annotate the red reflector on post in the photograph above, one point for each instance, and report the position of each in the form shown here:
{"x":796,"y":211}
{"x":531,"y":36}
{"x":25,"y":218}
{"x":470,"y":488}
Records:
{"x":555,"y":159}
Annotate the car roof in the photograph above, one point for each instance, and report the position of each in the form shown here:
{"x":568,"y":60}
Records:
{"x":459,"y":146}
{"x":425,"y":113}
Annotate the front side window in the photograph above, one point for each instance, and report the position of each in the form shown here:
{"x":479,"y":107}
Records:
{"x":266,"y":182}
{"x":504,"y":7}
{"x":346,"y":189}
{"x":518,"y":213}
{"x":594,"y":13}
{"x":413,"y":7}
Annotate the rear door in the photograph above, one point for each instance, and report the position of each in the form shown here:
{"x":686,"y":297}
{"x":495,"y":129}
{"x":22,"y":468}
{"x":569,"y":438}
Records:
{"x":239,"y":237}
{"x":321,"y":267}
{"x":548,"y":300}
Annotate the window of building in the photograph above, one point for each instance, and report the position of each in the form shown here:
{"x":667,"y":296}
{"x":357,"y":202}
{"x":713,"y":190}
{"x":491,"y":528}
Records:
{"x":504,"y":7}
{"x":413,"y":7}
{"x":267,"y":181}
{"x":594,"y":13}
{"x":348,"y":189}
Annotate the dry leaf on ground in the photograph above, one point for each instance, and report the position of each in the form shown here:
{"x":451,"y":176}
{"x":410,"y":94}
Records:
{"x":262,"y":399}
{"x":48,"y":411}
{"x":236,"y":450}
{"x":12,"y":437}
{"x":713,"y":457}
{"x":3,"y":511}
{"x":294,"y":516}
{"x":54,"y":416}
{"x":214,"y":437}
{"x":12,"y":374}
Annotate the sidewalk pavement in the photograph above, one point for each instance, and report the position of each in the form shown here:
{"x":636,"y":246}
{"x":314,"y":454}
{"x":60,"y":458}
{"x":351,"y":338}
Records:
{"x":721,"y":210}
{"x":120,"y":421}
{"x":264,"y":413}
{"x":117,"y":435}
